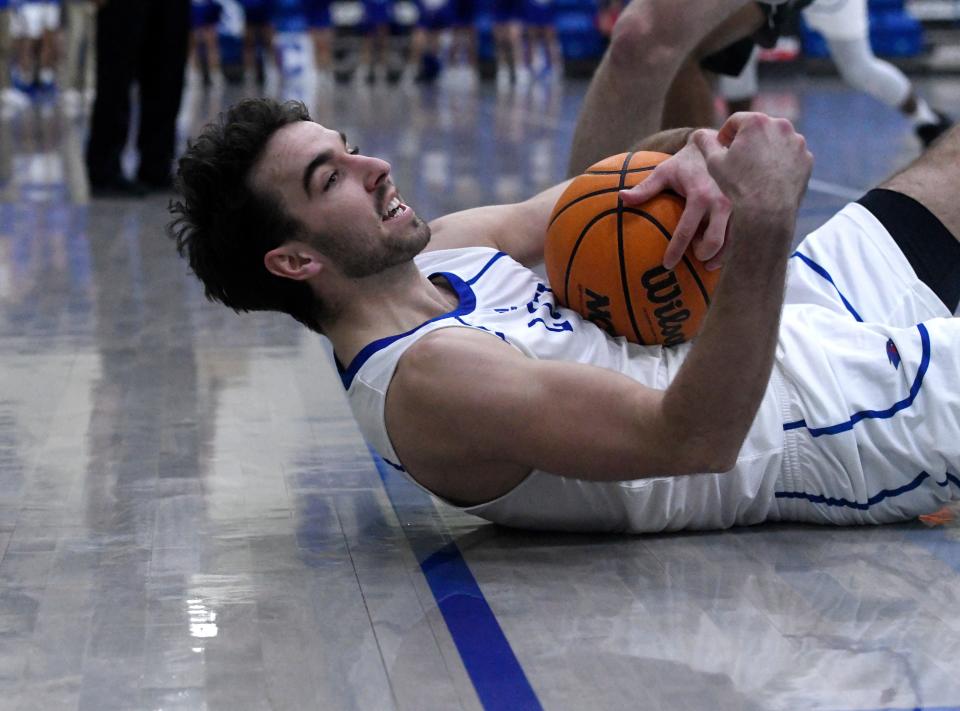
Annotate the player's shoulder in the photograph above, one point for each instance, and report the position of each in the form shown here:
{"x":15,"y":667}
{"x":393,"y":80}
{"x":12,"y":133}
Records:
{"x":456,"y":350}
{"x":465,"y":228}
{"x":451,"y":361}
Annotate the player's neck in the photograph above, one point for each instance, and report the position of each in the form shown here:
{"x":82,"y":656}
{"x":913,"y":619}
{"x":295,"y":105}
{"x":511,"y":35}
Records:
{"x":386,"y":305}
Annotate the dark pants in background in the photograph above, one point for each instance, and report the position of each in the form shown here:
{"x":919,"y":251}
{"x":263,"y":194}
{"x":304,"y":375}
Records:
{"x":143,"y":41}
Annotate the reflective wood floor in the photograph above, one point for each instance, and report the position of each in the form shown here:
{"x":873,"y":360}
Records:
{"x":189,"y":518}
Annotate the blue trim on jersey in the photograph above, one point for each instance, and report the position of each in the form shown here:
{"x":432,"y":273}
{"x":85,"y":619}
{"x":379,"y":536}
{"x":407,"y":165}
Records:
{"x":826,"y":275}
{"x":468,"y":302}
{"x":873,"y":500}
{"x":875,"y":414}
{"x":487,"y":266}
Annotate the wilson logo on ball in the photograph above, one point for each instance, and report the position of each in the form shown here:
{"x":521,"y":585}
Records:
{"x":662,"y":288}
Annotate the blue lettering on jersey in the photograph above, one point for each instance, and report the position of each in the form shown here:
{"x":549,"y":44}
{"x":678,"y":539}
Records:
{"x":557,"y":327}
{"x":559,"y":324}
{"x":541,"y":290}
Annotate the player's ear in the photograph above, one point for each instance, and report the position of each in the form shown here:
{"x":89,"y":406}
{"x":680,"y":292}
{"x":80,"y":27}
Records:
{"x":293,"y":260}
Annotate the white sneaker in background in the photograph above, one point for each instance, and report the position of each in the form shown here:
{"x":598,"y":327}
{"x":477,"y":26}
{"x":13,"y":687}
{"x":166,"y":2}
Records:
{"x":72,"y":102}
{"x":361,"y":75}
{"x":271,"y":79}
{"x":14,"y":99}
{"x":408,"y":78}
{"x":47,"y":79}
{"x":194,"y":78}
{"x":325,"y":80}
{"x":523,"y":77}
{"x":503,"y":77}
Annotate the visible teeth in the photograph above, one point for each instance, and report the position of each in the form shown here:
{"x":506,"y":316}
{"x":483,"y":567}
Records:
{"x":394,"y":207}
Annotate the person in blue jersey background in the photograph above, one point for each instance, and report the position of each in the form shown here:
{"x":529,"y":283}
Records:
{"x":462,"y":58}
{"x":205,"y":42}
{"x":508,"y":43}
{"x":258,"y":41}
{"x":374,"y":45}
{"x":11,"y":98}
{"x":433,"y":19}
{"x":321,"y":27}
{"x":545,"y":56}
{"x":468,"y":377}
{"x":35,"y":23}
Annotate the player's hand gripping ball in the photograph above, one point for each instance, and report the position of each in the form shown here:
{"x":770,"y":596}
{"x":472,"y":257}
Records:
{"x":605,"y":260}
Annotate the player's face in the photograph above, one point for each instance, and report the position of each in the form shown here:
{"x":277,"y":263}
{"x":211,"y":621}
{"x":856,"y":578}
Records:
{"x":346,"y":201}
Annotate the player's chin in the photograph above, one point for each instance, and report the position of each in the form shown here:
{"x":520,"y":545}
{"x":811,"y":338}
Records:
{"x":420,"y":234}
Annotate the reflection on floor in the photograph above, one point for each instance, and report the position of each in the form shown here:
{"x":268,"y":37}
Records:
{"x":189,"y":518}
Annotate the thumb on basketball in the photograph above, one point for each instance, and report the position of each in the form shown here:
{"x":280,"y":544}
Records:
{"x":708,"y":144}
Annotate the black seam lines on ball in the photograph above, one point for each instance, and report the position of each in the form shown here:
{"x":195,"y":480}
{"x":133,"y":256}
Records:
{"x":602,"y":191}
{"x":623,"y":266}
{"x":581,"y":198}
{"x":621,"y":171}
{"x":573,"y":253}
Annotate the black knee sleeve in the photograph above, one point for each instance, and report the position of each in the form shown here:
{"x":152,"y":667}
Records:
{"x":933,"y":252}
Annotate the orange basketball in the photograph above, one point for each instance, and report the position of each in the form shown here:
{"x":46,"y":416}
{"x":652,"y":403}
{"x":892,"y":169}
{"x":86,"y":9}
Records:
{"x":605,"y":260}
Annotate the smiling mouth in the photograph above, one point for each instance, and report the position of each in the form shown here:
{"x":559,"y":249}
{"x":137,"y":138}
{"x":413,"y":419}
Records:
{"x":394,"y":209}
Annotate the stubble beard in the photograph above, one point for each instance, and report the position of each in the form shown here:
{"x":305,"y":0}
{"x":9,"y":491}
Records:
{"x":378,"y":257}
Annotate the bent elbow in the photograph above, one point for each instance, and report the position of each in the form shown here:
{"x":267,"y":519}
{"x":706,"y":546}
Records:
{"x":722,"y":465}
{"x":703,"y":458}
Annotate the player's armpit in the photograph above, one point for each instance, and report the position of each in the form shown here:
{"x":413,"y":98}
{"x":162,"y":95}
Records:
{"x":464,"y":404}
{"x":519,"y":229}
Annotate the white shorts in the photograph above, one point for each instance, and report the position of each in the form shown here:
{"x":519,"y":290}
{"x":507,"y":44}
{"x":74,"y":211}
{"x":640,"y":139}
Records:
{"x":32,"y":19}
{"x":838,"y":19}
{"x":871,"y":361}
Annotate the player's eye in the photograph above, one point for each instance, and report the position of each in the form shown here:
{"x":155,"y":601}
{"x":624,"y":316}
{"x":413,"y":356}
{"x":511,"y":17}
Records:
{"x":334,"y":177}
{"x":354,"y":151}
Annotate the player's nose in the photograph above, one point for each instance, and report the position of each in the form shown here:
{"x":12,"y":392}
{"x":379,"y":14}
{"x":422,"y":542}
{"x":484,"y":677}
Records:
{"x":377,"y":170}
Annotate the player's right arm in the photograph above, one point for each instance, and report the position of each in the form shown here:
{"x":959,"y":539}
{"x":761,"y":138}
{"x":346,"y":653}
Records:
{"x":491,"y":413}
{"x":469,"y":416}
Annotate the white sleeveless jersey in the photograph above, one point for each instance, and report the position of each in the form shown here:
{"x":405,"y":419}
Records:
{"x":505,"y":299}
{"x":860,"y":422}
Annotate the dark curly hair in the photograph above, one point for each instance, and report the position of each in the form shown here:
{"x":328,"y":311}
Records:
{"x":224,"y":228}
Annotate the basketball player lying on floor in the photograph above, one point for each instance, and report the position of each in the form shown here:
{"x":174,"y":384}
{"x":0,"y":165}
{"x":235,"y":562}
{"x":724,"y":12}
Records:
{"x":821,"y":388}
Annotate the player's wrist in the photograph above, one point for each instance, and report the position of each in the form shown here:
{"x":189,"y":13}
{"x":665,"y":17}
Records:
{"x":760,"y":237}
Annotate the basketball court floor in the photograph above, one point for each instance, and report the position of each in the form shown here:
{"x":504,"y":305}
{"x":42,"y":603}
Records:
{"x":189,"y":518}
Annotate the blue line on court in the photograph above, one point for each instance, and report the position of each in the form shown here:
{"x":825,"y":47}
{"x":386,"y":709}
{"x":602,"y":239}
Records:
{"x":494,"y":669}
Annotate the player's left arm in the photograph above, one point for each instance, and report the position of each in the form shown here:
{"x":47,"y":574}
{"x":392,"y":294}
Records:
{"x":519,"y":229}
